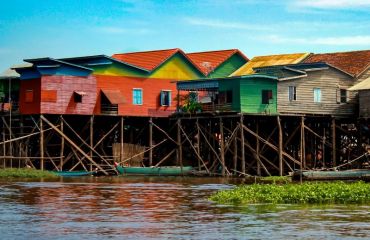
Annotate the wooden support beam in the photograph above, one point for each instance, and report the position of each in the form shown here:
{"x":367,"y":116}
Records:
{"x":280,"y":151}
{"x":122,"y":134}
{"x":334,"y":142}
{"x":165,"y":133}
{"x":165,"y":158}
{"x":151,"y":141}
{"x":302,"y":146}
{"x":73,"y":144}
{"x":222,"y":146}
{"x":198,"y":143}
{"x":61,"y":145}
{"x":179,"y":145}
{"x":41,"y":143}
{"x":242,"y":152}
{"x":91,"y":140}
{"x":258,"y":148}
{"x":271,"y":145}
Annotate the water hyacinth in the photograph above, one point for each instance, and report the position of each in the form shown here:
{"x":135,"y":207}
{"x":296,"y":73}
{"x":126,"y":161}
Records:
{"x":25,"y":173}
{"x":306,"y":193}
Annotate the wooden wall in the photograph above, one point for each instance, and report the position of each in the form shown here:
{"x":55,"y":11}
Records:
{"x":329,"y":81}
{"x":30,"y":107}
{"x":364,"y":97}
{"x":54,"y":95}
{"x":151,"y":93}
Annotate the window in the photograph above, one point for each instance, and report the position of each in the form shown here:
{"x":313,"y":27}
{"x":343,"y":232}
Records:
{"x":165,"y":98}
{"x":343,"y":95}
{"x":266,"y":96}
{"x":28,"y":98}
{"x":77,"y":98}
{"x":225,"y":97}
{"x":317,"y":95}
{"x":292,"y":91}
{"x":137,"y":96}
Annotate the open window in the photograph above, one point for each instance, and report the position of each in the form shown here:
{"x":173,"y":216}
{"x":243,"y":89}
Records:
{"x":165,"y":98}
{"x":77,"y":96}
{"x":292,"y":93}
{"x":342,"y":95}
{"x":266,"y":96}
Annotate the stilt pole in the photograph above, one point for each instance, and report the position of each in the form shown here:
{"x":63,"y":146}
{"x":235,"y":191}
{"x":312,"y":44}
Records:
{"x":242,"y":152}
{"x":122,"y":128}
{"x":179,"y":154}
{"x":61,"y":145}
{"x":222,"y":147}
{"x":334,"y":137}
{"x":91,"y":139}
{"x":41,"y":144}
{"x":281,"y":170}
{"x":151,"y":141}
{"x":258,"y":149}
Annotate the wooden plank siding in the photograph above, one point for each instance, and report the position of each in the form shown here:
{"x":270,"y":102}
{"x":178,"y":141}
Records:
{"x":364,"y":100}
{"x":364,"y":75}
{"x":151,"y":89}
{"x":54,"y":95}
{"x":329,"y":81}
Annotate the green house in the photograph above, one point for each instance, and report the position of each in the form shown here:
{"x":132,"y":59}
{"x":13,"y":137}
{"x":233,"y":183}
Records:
{"x":252,"y":94}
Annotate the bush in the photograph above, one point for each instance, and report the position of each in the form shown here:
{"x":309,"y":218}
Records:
{"x":25,"y":173}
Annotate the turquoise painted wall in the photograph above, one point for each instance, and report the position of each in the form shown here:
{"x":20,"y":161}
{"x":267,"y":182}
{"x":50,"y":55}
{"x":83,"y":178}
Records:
{"x":228,"y":67}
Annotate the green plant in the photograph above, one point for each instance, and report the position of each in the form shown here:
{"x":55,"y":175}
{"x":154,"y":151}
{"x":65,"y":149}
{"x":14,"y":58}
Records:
{"x":306,"y":193}
{"x":25,"y":173}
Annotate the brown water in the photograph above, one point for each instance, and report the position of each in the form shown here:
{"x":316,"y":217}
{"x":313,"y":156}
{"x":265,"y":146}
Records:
{"x":161,"y":208}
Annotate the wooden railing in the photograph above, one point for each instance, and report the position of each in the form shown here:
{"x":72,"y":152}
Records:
{"x":109,"y":109}
{"x":209,"y":107}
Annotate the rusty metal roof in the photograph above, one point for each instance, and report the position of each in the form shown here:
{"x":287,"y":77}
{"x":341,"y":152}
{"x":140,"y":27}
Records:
{"x":364,"y":85}
{"x":114,"y":96}
{"x":210,"y":60}
{"x":270,"y":60}
{"x":353,"y":63}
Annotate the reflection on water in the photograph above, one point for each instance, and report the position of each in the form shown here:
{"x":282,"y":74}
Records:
{"x":161,"y":208}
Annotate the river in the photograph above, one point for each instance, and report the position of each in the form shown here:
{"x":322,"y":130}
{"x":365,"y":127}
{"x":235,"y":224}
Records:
{"x":161,"y":208}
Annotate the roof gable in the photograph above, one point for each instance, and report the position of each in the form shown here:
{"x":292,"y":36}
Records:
{"x":208,"y":61}
{"x":353,"y":63}
{"x":269,"y":60}
{"x":364,"y":85}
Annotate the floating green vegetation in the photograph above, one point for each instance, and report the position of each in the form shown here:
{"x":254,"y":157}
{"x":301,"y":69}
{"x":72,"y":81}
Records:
{"x":25,"y":173}
{"x":311,"y":193}
{"x":276,"y":179}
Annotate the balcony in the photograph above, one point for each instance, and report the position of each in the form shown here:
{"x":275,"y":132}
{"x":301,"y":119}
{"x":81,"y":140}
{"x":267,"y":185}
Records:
{"x":109,"y":109}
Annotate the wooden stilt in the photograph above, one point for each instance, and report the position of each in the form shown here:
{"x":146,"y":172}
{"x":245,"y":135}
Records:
{"x":91,"y":139}
{"x":122,"y":139}
{"x":222,"y":147}
{"x":179,"y":156}
{"x":334,"y":142}
{"x":302,"y":146}
{"x":280,"y":152}
{"x":41,"y":143}
{"x":61,"y":145}
{"x":198,"y":143}
{"x":258,"y":148}
{"x":72,"y":144}
{"x":242,"y":152}
{"x":151,"y":141}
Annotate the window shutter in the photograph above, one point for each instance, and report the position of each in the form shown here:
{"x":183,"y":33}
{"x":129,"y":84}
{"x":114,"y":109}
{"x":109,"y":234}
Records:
{"x":162,"y":98}
{"x":169,"y":99}
{"x":338,"y":95}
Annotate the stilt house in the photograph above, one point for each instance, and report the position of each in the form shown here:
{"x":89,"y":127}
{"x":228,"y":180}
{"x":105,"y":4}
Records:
{"x":363,"y":89}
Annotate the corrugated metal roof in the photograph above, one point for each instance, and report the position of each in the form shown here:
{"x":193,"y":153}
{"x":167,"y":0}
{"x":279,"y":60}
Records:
{"x":270,"y":60}
{"x":354,"y":63}
{"x":364,"y":85}
{"x":11,"y":73}
{"x":210,"y":60}
{"x":114,"y":96}
{"x":148,"y":60}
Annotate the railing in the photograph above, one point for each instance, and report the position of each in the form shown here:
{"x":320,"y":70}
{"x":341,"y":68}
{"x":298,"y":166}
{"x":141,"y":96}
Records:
{"x":209,"y":107}
{"x":109,"y":109}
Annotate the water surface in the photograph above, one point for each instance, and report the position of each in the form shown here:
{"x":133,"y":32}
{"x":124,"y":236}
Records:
{"x":161,"y":208}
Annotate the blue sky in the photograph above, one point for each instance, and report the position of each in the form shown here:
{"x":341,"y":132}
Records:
{"x":57,"y":28}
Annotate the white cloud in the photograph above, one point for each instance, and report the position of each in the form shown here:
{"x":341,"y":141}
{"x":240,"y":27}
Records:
{"x":338,"y":41}
{"x":215,"y":23}
{"x":331,"y":4}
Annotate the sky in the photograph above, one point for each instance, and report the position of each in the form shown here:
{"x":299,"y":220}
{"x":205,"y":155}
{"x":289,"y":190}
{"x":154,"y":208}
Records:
{"x":71,"y":28}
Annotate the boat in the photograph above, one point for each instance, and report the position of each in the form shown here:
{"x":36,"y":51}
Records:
{"x":155,"y":171}
{"x":74,"y":173}
{"x":354,"y":174}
